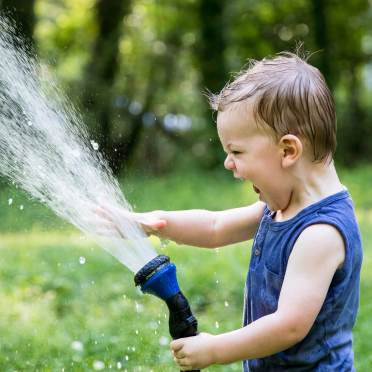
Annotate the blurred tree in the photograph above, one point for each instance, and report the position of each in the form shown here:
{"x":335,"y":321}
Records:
{"x":23,"y":14}
{"x":148,"y":91}
{"x":210,"y":49}
{"x":142,"y":65}
{"x":349,"y":23}
{"x":103,"y":65}
{"x":321,"y":25}
{"x":210,"y":54}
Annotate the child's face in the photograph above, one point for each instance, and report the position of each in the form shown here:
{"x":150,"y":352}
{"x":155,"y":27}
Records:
{"x":254,"y":155}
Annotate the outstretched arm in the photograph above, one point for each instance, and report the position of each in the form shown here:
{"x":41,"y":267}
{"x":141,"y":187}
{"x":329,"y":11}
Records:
{"x":195,"y":227}
{"x":210,"y":229}
{"x":317,"y":254}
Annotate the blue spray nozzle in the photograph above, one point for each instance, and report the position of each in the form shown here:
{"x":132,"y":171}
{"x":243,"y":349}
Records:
{"x":158,"y":277}
{"x":162,"y":283}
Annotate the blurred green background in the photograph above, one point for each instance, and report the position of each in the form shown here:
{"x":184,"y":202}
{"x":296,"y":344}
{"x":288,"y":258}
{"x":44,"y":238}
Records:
{"x":138,"y":70}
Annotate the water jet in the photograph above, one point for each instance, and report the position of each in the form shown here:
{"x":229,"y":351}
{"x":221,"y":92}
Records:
{"x":46,"y":150}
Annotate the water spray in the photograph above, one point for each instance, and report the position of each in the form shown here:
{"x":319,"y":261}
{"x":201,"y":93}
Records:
{"x":158,"y":277}
{"x":46,"y":150}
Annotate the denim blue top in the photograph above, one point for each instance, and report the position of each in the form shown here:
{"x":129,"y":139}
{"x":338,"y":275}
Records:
{"x":328,"y":345}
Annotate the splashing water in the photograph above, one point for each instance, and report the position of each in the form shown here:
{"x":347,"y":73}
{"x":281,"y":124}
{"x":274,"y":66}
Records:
{"x":46,"y":150}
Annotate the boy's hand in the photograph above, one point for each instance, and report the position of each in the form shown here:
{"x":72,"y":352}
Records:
{"x":195,"y":352}
{"x":115,"y":217}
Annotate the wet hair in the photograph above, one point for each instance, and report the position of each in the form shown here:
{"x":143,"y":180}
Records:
{"x":290,"y":96}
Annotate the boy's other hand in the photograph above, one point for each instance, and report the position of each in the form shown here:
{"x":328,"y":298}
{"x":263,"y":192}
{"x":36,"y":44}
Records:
{"x":115,"y":219}
{"x":195,"y":352}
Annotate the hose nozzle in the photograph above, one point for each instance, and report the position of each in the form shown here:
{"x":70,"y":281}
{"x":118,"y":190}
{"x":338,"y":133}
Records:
{"x":158,"y":277}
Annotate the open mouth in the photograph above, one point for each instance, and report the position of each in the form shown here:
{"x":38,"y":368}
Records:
{"x":256,"y":189}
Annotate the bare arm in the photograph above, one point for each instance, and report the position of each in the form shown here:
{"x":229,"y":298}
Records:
{"x":317,"y":254}
{"x":209,"y":229}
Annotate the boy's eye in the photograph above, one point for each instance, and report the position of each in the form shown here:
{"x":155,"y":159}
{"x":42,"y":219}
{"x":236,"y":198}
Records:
{"x":235,"y":152}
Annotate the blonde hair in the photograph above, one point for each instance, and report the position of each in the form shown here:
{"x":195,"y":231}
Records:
{"x":290,"y":96}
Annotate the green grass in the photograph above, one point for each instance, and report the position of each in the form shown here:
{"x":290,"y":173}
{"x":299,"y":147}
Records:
{"x":56,"y":313}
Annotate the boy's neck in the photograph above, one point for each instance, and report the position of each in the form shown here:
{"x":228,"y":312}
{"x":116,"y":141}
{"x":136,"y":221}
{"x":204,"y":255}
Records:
{"x":312,"y":183}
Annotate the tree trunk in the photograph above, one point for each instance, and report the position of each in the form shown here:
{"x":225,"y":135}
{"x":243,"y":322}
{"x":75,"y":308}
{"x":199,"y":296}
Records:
{"x":357,"y":133}
{"x":210,"y":52}
{"x":103,"y":66}
{"x":321,"y":39}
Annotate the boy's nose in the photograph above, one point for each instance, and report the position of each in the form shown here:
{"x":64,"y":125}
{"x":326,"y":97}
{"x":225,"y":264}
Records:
{"x":229,"y":163}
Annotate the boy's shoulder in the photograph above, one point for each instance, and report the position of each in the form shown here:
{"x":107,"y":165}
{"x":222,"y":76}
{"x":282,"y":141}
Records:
{"x":338,"y":205}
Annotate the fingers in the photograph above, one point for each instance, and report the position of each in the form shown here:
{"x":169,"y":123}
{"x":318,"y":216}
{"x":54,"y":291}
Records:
{"x":179,"y":355}
{"x":160,"y":224}
{"x":109,"y":232}
{"x":149,"y":223}
{"x":176,"y":345}
{"x":184,"y":364}
{"x":103,"y":213}
{"x":151,"y":227}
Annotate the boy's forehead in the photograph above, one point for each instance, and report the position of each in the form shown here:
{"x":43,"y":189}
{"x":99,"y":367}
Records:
{"x":237,"y":117}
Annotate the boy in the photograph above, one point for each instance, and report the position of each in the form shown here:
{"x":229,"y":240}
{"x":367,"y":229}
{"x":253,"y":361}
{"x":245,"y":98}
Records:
{"x":277,"y":124}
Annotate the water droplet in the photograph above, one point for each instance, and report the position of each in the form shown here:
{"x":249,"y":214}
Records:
{"x":126,"y":357}
{"x":217,"y":325}
{"x":163,"y":340}
{"x":226,"y":304}
{"x":95,"y":145}
{"x":139,"y":307}
{"x":118,"y":365}
{"x":21,"y":207}
{"x":29,"y":122}
{"x":133,"y":348}
{"x":77,"y":345}
{"x":153,"y":325}
{"x":164,"y":243}
{"x":10,"y":201}
{"x":82,"y":260}
{"x":137,"y":332}
{"x":98,"y":365}
{"x":217,"y":281}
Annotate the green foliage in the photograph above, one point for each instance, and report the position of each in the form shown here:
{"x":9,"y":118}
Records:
{"x":64,"y":34}
{"x":169,"y":52}
{"x":57,"y":313}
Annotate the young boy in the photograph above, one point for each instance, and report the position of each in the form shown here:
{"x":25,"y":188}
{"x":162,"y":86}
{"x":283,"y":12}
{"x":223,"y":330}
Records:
{"x":277,"y":124}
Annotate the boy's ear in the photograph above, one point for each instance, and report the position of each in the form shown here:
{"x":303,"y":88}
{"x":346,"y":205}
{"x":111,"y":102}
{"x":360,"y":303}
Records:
{"x":291,"y":149}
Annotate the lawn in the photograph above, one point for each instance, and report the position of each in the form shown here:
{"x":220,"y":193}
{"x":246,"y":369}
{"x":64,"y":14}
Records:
{"x":67,"y":305}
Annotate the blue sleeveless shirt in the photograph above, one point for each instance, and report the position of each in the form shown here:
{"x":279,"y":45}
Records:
{"x":328,"y":345}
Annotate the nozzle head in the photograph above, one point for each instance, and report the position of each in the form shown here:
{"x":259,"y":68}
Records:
{"x":158,"y":277}
{"x":150,"y":269}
